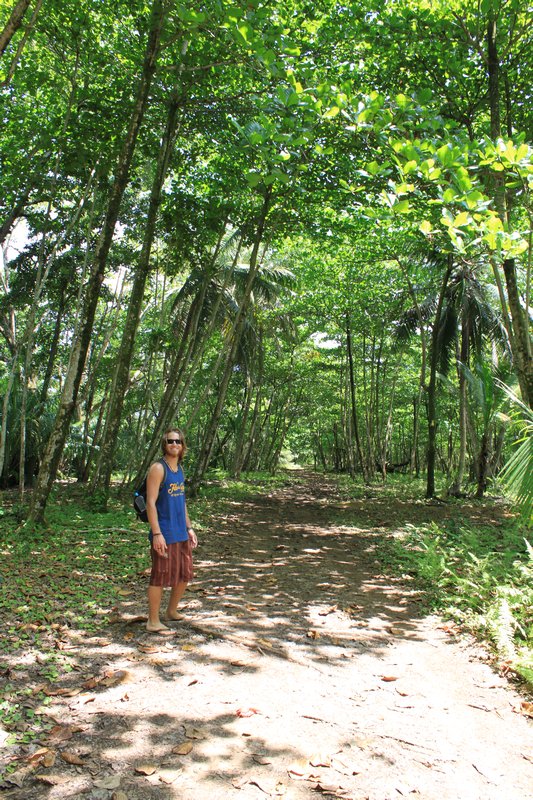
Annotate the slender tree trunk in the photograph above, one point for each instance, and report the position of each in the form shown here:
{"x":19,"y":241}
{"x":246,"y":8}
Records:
{"x":520,"y":339}
{"x":54,"y":344}
{"x":432,"y":387}
{"x":205,"y":454}
{"x":353,"y":399}
{"x":187,"y":359}
{"x":13,"y":24}
{"x":22,"y":43}
{"x":5,"y":412}
{"x":242,"y":422}
{"x":102,"y":476}
{"x":483,"y":463}
{"x":56,"y":442}
{"x":455,"y":489}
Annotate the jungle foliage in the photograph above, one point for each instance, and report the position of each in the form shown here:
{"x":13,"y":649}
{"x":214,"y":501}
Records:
{"x":299,"y":231}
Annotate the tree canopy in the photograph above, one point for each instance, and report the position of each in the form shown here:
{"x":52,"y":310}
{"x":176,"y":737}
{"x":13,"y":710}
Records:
{"x":302,"y":230}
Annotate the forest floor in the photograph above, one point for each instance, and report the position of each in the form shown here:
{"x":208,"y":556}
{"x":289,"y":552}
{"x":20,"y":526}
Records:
{"x":299,"y":670}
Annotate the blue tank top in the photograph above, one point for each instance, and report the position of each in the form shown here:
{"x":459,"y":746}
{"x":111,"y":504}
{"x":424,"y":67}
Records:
{"x":171,"y":506}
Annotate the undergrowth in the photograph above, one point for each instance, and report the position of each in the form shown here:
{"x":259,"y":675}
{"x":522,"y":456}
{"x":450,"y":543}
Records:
{"x":481,"y":576}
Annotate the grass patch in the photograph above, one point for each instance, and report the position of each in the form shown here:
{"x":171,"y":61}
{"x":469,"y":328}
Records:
{"x":480,"y":576}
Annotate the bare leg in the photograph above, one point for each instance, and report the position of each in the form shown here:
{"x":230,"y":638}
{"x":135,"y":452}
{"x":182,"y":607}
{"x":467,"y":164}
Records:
{"x":154,"y":624}
{"x":176,"y":594}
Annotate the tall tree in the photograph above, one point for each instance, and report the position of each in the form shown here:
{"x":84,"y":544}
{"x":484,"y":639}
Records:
{"x":56,"y":442}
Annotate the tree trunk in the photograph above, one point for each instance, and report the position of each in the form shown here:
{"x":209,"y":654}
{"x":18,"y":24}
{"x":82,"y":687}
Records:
{"x":82,"y":336}
{"x":13,"y":24}
{"x":205,"y":454}
{"x":353,"y":398}
{"x":483,"y":463}
{"x":432,"y":387}
{"x":5,"y":412}
{"x":13,"y":66}
{"x":455,"y":488}
{"x":520,"y":338}
{"x":186,"y":360}
{"x":102,"y":476}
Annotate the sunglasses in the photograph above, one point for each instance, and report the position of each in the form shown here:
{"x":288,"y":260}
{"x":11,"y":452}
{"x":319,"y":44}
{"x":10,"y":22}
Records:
{"x":173,"y":441}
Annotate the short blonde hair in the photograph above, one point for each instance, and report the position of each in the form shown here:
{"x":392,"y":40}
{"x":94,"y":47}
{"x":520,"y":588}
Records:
{"x":183,"y":442}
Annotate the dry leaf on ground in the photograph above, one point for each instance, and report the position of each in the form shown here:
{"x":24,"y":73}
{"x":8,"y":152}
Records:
{"x":259,"y":759}
{"x":168,"y":776}
{"x":72,"y":758}
{"x":247,"y":712}
{"x":182,"y":749}
{"x":145,"y":769}
{"x":525,"y":708}
{"x":195,"y":733}
{"x":110,"y":782}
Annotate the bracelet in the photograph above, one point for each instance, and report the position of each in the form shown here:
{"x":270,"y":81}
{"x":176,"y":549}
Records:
{"x":157,"y":534}
{"x":189,"y":528}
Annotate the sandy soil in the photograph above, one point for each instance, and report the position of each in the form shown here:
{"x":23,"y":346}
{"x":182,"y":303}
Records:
{"x":299,"y":670}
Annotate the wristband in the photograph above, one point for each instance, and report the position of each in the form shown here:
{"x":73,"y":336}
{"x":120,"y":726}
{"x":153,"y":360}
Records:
{"x":157,"y":534}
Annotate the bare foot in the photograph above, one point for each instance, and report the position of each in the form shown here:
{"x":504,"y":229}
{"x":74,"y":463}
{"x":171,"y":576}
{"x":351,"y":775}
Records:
{"x":164,"y":630}
{"x":173,"y":615}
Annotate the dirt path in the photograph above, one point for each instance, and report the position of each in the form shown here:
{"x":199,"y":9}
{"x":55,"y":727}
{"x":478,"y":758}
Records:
{"x":300,"y":670}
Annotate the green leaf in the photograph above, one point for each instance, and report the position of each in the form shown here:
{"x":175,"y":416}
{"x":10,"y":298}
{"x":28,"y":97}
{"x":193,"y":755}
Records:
{"x":401,"y":207}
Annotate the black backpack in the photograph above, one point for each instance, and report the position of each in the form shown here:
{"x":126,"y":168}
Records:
{"x":139,"y":497}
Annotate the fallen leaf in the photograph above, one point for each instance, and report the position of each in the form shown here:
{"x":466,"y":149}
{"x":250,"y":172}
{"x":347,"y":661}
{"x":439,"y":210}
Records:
{"x":91,"y":683}
{"x":149,"y":648}
{"x":182,"y":749}
{"x":62,"y":733}
{"x":259,"y":759}
{"x":239,"y":782}
{"x":124,"y":592}
{"x":195,"y":733}
{"x":188,"y":648}
{"x":114,"y":678}
{"x":328,"y":788}
{"x":119,"y":796}
{"x":49,"y":759}
{"x":52,"y":780}
{"x":267,"y":786}
{"x":320,"y":761}
{"x":313,"y":635}
{"x":145,"y":769}
{"x":247,"y":712}
{"x":17,"y":778}
{"x":388,"y":678}
{"x":72,"y":758}
{"x":168,"y":776}
{"x":111,"y":782}
{"x":344,"y":767}
{"x":128,"y":636}
{"x":327,"y":611}
{"x":525,"y":708}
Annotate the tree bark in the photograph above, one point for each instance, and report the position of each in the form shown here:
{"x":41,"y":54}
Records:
{"x":13,"y":24}
{"x":104,"y":466}
{"x":520,"y":338}
{"x":205,"y":454}
{"x":432,"y":386}
{"x":455,"y":489}
{"x":353,"y":399}
{"x":82,"y":336}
